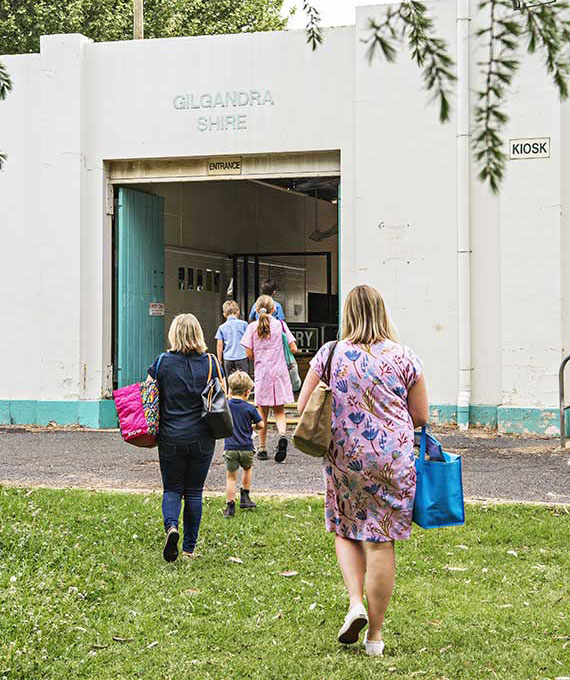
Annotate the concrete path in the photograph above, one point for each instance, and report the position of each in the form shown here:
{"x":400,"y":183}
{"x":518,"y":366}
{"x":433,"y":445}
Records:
{"x":494,"y":466}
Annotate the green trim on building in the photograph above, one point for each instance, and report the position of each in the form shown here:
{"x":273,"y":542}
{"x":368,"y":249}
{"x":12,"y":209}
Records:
{"x":102,"y":414}
{"x":521,"y":420}
{"x":507,"y":419}
{"x":443,"y":414}
{"x":94,"y":414}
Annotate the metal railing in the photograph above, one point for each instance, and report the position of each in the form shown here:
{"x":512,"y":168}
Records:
{"x":563,"y":408}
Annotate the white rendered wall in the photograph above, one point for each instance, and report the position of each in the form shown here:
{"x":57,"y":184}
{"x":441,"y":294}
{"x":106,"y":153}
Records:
{"x":21,"y":278}
{"x":79,"y":104}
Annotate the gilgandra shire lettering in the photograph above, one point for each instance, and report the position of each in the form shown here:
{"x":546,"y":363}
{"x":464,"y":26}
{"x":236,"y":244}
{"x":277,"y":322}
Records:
{"x":213,"y":100}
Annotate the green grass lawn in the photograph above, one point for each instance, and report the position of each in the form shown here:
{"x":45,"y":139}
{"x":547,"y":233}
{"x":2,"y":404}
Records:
{"x":84,"y":593}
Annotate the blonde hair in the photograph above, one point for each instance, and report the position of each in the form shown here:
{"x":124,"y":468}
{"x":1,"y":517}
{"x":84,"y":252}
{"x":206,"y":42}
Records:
{"x":185,"y":335}
{"x":240,"y":383}
{"x":364,"y":318}
{"x":264,"y":306}
{"x":230,"y":307}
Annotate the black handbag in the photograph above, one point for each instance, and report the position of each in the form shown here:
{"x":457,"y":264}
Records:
{"x":215,"y":408}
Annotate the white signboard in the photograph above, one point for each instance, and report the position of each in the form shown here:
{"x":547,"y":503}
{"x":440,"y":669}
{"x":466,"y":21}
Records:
{"x":228,"y":165}
{"x":156,"y":309}
{"x":531,"y":147}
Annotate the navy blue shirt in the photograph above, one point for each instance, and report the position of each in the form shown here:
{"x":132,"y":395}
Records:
{"x":181,"y":381}
{"x":243,"y":414}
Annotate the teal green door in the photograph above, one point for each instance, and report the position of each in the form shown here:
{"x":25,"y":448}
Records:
{"x":140,"y":282}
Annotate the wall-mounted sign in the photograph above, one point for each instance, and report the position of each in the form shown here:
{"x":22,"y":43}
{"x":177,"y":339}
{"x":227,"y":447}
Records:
{"x":308,"y":338}
{"x":224,"y":117}
{"x":532,"y":147}
{"x":156,"y":309}
{"x":228,"y":165}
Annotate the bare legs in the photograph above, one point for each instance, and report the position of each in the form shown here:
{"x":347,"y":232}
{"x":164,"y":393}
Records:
{"x":352,"y":563}
{"x":371,"y":564}
{"x":263,"y":433}
{"x":246,"y":479}
{"x":280,"y":419}
{"x":280,"y":422}
{"x":380,"y":576}
{"x":231,"y":483}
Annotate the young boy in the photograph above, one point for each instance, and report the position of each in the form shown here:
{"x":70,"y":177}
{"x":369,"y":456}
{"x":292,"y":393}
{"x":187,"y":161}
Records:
{"x":238,"y":449}
{"x":231,"y":354}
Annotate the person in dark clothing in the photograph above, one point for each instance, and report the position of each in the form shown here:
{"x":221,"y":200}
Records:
{"x":185,"y":445}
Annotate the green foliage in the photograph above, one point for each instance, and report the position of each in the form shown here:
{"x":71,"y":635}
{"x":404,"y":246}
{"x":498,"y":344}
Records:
{"x":84,"y":593}
{"x":5,"y":87}
{"x":22,"y":22}
{"x":314,"y":31}
{"x":543,"y":26}
{"x":411,"y":24}
{"x":546,"y":30}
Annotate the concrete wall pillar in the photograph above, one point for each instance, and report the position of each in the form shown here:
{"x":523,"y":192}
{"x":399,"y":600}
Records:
{"x":62,"y":177}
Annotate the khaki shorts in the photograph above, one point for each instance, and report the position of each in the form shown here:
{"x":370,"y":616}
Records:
{"x":235,"y":459}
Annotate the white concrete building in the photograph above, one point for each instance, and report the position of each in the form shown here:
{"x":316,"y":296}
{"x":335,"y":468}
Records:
{"x":136,"y":170}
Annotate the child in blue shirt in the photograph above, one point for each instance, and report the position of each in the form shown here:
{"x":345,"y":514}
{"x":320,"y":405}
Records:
{"x":239,"y":449}
{"x":268,"y":287}
{"x":230,"y":352}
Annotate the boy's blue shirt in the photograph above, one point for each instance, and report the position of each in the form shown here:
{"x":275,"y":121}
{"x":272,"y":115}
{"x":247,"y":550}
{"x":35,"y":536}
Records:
{"x":244,"y":415}
{"x":277,"y":312}
{"x":231,"y":332}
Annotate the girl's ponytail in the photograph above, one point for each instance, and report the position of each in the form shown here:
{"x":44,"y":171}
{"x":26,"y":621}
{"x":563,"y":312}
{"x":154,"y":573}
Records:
{"x":264,"y":307}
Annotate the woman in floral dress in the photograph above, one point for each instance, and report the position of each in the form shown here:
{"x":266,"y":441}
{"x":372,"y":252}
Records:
{"x":379,"y":396}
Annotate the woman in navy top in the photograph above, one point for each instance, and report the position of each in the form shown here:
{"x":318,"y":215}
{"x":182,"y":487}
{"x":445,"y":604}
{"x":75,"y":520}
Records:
{"x":185,"y":445}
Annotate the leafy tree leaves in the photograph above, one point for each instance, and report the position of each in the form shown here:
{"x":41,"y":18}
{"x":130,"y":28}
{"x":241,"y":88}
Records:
{"x":22,"y":22}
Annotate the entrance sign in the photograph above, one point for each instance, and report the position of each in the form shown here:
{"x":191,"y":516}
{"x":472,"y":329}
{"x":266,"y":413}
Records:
{"x":230,"y":165}
{"x":532,"y":147}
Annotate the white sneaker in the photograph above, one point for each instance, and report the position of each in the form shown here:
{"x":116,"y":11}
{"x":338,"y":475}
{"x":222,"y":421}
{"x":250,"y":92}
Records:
{"x":374,"y":647}
{"x":354,"y":622}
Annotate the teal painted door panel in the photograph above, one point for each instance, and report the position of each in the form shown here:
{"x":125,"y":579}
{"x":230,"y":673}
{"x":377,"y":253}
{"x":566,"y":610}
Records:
{"x":140,"y":281}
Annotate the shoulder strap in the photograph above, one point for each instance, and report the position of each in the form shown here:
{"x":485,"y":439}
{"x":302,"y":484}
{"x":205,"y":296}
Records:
{"x":158,"y":364}
{"x":326,"y":374}
{"x":219,"y":370}
{"x":209,"y":368}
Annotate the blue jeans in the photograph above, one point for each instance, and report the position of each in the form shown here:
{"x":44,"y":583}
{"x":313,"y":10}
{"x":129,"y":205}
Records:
{"x":184,"y":468}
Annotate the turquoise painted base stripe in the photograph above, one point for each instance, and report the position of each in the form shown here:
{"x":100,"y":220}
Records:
{"x":507,"y":419}
{"x":520,"y":420}
{"x":94,"y":414}
{"x":444,"y":414}
{"x":102,"y":414}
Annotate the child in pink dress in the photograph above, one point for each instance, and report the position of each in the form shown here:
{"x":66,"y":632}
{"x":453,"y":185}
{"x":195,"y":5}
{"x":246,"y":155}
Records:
{"x":263,"y":341}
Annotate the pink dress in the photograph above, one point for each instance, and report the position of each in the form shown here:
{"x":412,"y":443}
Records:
{"x":272,"y":383}
{"x":369,"y":471}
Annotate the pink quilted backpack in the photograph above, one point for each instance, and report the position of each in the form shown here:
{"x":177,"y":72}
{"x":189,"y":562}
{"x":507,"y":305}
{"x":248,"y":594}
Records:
{"x":138,"y":411}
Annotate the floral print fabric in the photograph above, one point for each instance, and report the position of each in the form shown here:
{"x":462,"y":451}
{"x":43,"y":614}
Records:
{"x":369,"y":471}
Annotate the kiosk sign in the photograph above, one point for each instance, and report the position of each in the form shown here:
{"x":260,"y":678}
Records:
{"x":533,"y":147}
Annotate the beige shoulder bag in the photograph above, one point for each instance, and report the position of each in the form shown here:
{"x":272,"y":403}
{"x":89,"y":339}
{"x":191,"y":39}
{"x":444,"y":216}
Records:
{"x":313,"y":432}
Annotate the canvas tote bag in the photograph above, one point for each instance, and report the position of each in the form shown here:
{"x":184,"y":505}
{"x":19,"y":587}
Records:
{"x":313,"y":432}
{"x":138,"y":411}
{"x":439,"y":486}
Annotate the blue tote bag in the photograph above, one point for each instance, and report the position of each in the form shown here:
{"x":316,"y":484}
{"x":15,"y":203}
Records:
{"x":439,"y":486}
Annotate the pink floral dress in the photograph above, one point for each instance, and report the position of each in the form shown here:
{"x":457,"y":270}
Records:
{"x":272,"y":382}
{"x":369,"y":471}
